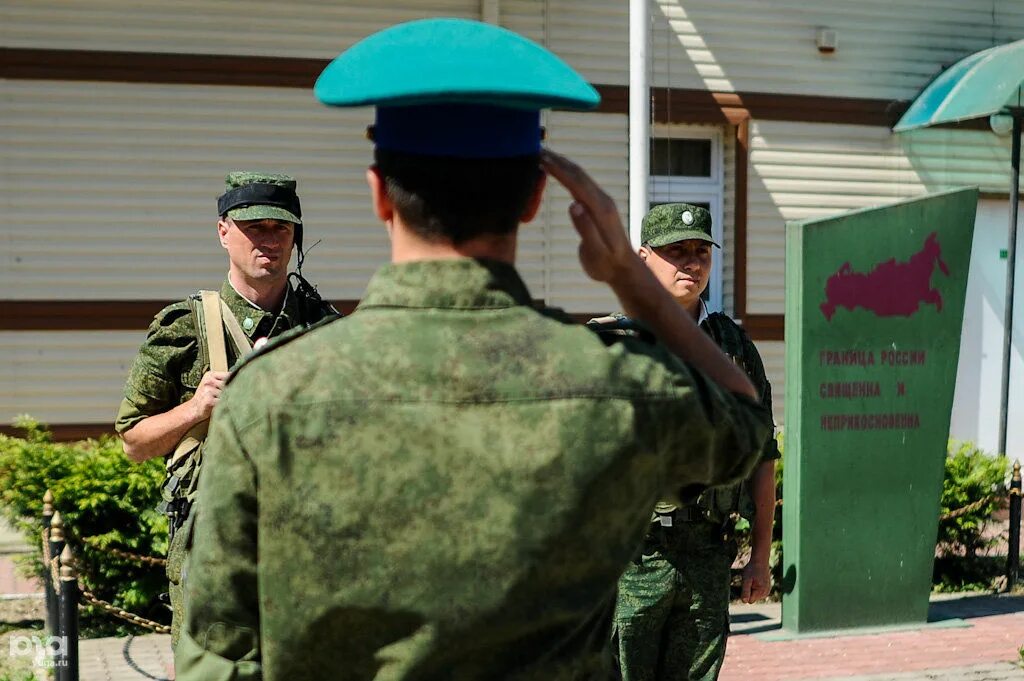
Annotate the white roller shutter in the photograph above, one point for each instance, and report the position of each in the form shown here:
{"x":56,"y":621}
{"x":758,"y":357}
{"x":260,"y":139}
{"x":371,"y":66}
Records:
{"x":722,"y":45}
{"x":109,"y":190}
{"x":65,"y":376}
{"x":773,"y":354}
{"x":298,"y":28}
{"x":598,"y":142}
{"x":888,"y":49}
{"x":526,"y":17}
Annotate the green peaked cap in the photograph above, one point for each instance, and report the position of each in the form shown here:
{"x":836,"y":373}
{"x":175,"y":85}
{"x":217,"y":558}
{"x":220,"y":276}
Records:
{"x":671,"y":222}
{"x":448,"y":61}
{"x":255,"y":208}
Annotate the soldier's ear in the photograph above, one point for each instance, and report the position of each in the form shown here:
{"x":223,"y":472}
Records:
{"x":643,"y":253}
{"x":533,"y":204}
{"x":222,"y":231}
{"x":382,"y":206}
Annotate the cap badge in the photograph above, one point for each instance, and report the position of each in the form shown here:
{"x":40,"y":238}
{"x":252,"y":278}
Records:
{"x":687,"y":218}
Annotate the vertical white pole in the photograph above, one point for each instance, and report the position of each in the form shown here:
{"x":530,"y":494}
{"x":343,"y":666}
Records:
{"x":639,"y":115}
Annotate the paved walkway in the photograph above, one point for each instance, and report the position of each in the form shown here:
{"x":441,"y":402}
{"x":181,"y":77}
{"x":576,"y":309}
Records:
{"x":984,"y":650}
{"x":118,"y":659}
{"x":982,"y":646}
{"x":971,"y":638}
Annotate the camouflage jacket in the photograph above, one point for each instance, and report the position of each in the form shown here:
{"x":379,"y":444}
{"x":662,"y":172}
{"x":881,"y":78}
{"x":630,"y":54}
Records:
{"x":721,"y":501}
{"x":446,"y":485}
{"x":171,"y":361}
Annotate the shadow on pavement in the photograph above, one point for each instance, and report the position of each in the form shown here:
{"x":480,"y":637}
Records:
{"x":974,"y":606}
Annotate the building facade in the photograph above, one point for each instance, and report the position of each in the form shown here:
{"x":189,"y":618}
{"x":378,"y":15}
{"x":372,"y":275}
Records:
{"x":118,"y":121}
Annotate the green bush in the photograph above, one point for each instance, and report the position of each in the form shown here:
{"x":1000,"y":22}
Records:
{"x":102,"y":497}
{"x":975,"y":481}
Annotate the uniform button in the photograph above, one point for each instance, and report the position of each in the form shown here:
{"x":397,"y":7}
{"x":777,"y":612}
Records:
{"x":248,"y":324}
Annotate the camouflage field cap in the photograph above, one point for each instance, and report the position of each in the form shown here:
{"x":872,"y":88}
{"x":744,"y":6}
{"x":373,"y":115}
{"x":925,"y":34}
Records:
{"x":672,"y":222}
{"x":259,"y":196}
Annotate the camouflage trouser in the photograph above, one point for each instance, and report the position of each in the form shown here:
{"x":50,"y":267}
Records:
{"x":177,"y":555}
{"x":672,"y":612}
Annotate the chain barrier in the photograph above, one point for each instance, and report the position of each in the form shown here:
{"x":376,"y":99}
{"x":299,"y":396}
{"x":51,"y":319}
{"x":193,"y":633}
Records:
{"x":970,"y":507}
{"x":91,"y":599}
{"x":53,"y":562}
{"x":93,"y":543}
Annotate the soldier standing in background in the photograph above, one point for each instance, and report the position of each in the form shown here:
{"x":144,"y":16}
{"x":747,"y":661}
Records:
{"x":672,"y":613}
{"x":172,"y":390}
{"x":449,"y":484}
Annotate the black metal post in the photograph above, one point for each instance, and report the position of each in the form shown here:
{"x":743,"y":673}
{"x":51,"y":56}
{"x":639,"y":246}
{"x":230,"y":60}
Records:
{"x":1013,"y":553}
{"x":56,"y":546}
{"x":1011,"y":266}
{"x":67,"y":663}
{"x":48,"y":590}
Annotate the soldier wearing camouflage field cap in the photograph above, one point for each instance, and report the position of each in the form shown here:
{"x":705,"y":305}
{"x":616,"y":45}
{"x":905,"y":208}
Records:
{"x":672,"y":609}
{"x":172,"y":390}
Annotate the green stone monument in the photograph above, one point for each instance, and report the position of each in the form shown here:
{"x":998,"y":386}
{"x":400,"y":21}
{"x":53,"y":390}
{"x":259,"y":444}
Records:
{"x":874,"y":308}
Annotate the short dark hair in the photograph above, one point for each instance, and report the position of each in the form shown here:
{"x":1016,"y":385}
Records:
{"x":455,"y":199}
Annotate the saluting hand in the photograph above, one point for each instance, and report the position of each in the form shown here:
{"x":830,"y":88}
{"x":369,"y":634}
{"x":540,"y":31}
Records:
{"x":605,"y":251}
{"x":208,"y":394}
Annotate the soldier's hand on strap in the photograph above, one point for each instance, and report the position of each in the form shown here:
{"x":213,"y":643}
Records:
{"x":208,"y":394}
{"x":605,"y":251}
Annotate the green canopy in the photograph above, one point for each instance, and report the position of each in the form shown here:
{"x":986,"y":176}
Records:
{"x":979,"y":85}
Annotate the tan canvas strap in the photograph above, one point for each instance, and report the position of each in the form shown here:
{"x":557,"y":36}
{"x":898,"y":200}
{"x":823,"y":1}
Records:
{"x":214,"y":323}
{"x":242,"y":343}
{"x":193,"y":438}
{"x":213,"y":331}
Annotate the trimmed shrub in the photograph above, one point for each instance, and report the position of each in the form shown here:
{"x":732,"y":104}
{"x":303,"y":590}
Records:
{"x":973,"y":489}
{"x":106,"y":501}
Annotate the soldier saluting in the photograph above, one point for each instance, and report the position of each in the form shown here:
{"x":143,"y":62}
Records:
{"x":179,"y":372}
{"x":448,"y":484}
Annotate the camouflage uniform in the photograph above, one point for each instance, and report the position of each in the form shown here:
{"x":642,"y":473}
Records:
{"x":172,"y":361}
{"x":447,"y":485}
{"x":672,"y":610}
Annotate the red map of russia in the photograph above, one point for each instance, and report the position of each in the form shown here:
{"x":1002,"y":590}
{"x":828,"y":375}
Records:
{"x":890,"y":289}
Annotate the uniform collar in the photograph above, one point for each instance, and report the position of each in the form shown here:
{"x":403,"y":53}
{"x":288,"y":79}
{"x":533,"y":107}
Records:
{"x":702,"y":314}
{"x":461,"y":283}
{"x":260,"y":321}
